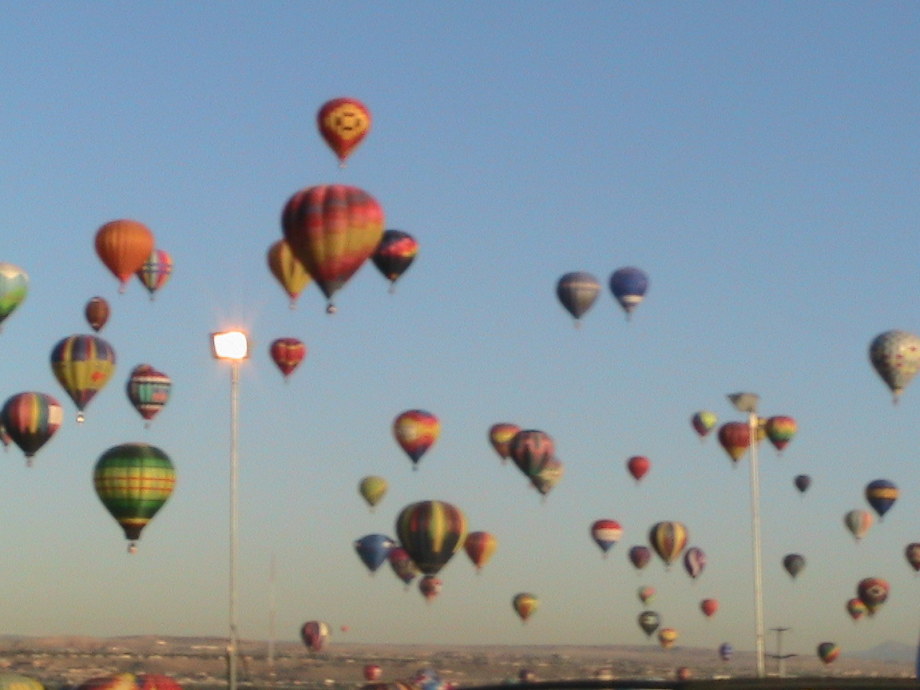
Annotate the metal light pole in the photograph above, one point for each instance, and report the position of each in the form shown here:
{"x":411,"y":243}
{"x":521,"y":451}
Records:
{"x":232,"y":346}
{"x":779,"y":656}
{"x":747,"y":402}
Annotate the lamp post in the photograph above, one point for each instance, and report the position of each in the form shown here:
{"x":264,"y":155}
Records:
{"x":747,"y":402}
{"x":233,"y":347}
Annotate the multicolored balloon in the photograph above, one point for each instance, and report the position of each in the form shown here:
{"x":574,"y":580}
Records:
{"x":667,"y":637}
{"x":133,"y":481}
{"x":403,"y":565}
{"x":96,"y":313}
{"x":431,"y":531}
{"x":315,"y":635}
{"x":123,"y":246}
{"x":332,"y":230}
{"x":780,"y":430}
{"x":415,"y":432}
{"x":802,"y":482}
{"x":17,"y":681}
{"x":881,"y":495}
{"x":30,"y":420}
{"x":668,"y":539}
{"x":577,"y":292}
{"x":500,"y":436}
{"x":856,"y":608}
{"x":82,"y":364}
{"x":694,"y":561}
{"x":649,"y":622}
{"x":148,"y":390}
{"x":288,"y":270}
{"x":130,"y":681}
{"x":606,"y":533}
{"x":372,"y":489}
{"x":645,"y":594}
{"x":640,"y":556}
{"x":14,"y":286}
{"x":858,"y":522}
{"x":156,"y":271}
{"x":548,"y":476}
{"x":629,"y":285}
{"x":735,"y":438}
{"x":525,"y":605}
{"x":287,"y":354}
{"x":912,"y":554}
{"x":480,"y":546}
{"x":709,"y":607}
{"x":873,"y":592}
{"x":373,"y":550}
{"x":703,"y":422}
{"x":638,"y":466}
{"x":430,"y":587}
{"x":896,"y":358}
{"x":828,"y":652}
{"x":395,"y":253}
{"x":531,"y":449}
{"x":793,"y":563}
{"x":343,"y":123}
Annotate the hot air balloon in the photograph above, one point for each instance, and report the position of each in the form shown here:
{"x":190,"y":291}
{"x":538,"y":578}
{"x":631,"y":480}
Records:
{"x":683,"y":673}
{"x":431,"y":531}
{"x":606,"y":533}
{"x":780,"y":430}
{"x":802,"y":482}
{"x":638,"y":466}
{"x":30,"y":420}
{"x":645,"y":594}
{"x":500,"y":436}
{"x":82,"y":364}
{"x":14,"y":286}
{"x":332,"y":230}
{"x":415,"y":432}
{"x":97,"y":313}
{"x":896,"y":357}
{"x":119,"y":681}
{"x":17,"y":681}
{"x":5,"y":438}
{"x":703,"y":422}
{"x":315,"y":635}
{"x":577,"y":292}
{"x":793,"y":563}
{"x":856,"y":608}
{"x":123,"y":246}
{"x":530,"y":449}
{"x":343,"y":123}
{"x":372,"y":489}
{"x":287,"y":354}
{"x":668,"y":540}
{"x":548,"y":475}
{"x":912,"y":554}
{"x":148,"y":390}
{"x":858,"y":522}
{"x":429,"y":586}
{"x":628,"y":286}
{"x":694,"y":561}
{"x":373,"y":550}
{"x":480,"y":546}
{"x":156,"y":681}
{"x":667,"y":637}
{"x":828,"y":652}
{"x":372,"y":672}
{"x":640,"y":556}
{"x":726,"y":651}
{"x":735,"y":438}
{"x":402,"y":564}
{"x":156,"y":271}
{"x":287,"y":269}
{"x":525,"y":604}
{"x":873,"y":592}
{"x":648,"y":621}
{"x":133,"y":481}
{"x":394,"y":255}
{"x":881,"y":495}
{"x":709,"y":607}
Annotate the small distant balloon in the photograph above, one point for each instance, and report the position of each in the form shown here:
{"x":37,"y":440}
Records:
{"x":694,"y":561}
{"x":780,"y":430}
{"x":638,"y":466}
{"x":430,"y":587}
{"x":531,"y":449}
{"x":828,"y":652}
{"x":648,"y":621}
{"x":629,"y":285}
{"x":394,"y":255}
{"x":873,"y":592}
{"x":155,"y":271}
{"x":30,"y":420}
{"x":703,"y":422}
{"x":315,"y":634}
{"x":402,"y":564}
{"x":606,"y":533}
{"x":896,"y":357}
{"x":480,"y":546}
{"x":735,"y":438}
{"x":415,"y":432}
{"x":645,"y":594}
{"x":881,"y":495}
{"x":287,"y":354}
{"x":548,"y":476}
{"x":97,"y":313}
{"x":912,"y":554}
{"x":343,"y":123}
{"x":500,"y":436}
{"x":372,"y":672}
{"x":793,"y":563}
{"x":82,"y":364}
{"x":148,"y":390}
{"x":856,"y":608}
{"x":524,"y":604}
{"x":858,"y":522}
{"x":123,"y":246}
{"x":373,"y":550}
{"x":802,"y":482}
{"x":372,"y":489}
{"x":577,"y":292}
{"x":287,"y":270}
{"x":668,"y":539}
{"x":667,"y":637}
{"x":640,"y":556}
{"x":14,"y":286}
{"x":726,"y":651}
{"x":709,"y":607}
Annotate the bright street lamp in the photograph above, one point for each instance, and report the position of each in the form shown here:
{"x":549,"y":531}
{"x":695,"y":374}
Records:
{"x":233,"y":347}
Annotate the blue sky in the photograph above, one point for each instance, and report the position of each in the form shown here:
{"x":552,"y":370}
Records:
{"x":757,"y":160}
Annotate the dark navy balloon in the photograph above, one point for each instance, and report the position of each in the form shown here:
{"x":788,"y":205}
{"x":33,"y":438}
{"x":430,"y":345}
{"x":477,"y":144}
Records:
{"x":629,"y":286}
{"x":802,"y":482}
{"x":881,"y":495}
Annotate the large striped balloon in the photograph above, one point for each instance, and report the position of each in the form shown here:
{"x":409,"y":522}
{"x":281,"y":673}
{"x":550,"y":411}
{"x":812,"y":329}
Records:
{"x":156,"y":271}
{"x":332,"y":230}
{"x":133,"y":481}
{"x":83,"y":364}
{"x":31,"y":419}
{"x":431,"y":532}
{"x":780,"y":430}
{"x":668,"y":539}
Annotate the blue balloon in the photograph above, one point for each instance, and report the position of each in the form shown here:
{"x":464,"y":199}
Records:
{"x":881,"y":495}
{"x":628,"y":286}
{"x":726,"y":651}
{"x":373,"y":550}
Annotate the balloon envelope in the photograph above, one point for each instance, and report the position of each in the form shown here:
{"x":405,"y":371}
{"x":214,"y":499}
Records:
{"x":148,"y":390}
{"x":694,"y":561}
{"x":315,"y":634}
{"x":500,"y":436}
{"x":577,"y":292}
{"x":430,"y":586}
{"x":431,"y":532}
{"x":372,"y":489}
{"x":394,"y":254}
{"x":881,"y":495}
{"x":639,"y":556}
{"x":858,"y":522}
{"x":703,"y":422}
{"x":14,"y":286}
{"x":828,"y":652}
{"x":726,"y":651}
{"x":873,"y":592}
{"x":123,"y":246}
{"x":856,"y":608}
{"x":709,"y":607}
{"x":629,"y":285}
{"x":287,"y":354}
{"x":82,"y":364}
{"x":645,"y":594}
{"x":912,"y":554}
{"x":780,"y":430}
{"x":30,"y":420}
{"x":638,"y":466}
{"x":97,"y":313}
{"x":531,"y":449}
{"x":415,"y":432}
{"x":480,"y":546}
{"x":343,"y":123}
{"x":667,"y":637}
{"x":668,"y":539}
{"x":896,"y":357}
{"x":287,"y":269}
{"x":402,"y":564}
{"x":373,"y":550}
{"x":648,"y":621}
{"x":735,"y":438}
{"x":606,"y":533}
{"x":155,"y":271}
{"x":793,"y":563}
{"x":525,"y":604}
{"x":802,"y":482}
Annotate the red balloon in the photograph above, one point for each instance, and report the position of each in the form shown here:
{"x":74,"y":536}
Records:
{"x":709,"y":607}
{"x":287,"y":354}
{"x":343,"y":123}
{"x":638,"y":466}
{"x":735,"y":438}
{"x":372,"y":672}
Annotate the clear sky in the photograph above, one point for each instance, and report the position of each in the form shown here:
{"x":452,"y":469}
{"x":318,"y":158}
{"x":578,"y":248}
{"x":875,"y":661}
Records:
{"x":758,"y":160}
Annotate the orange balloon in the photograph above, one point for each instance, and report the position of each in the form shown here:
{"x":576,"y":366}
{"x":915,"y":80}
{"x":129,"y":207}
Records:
{"x":343,"y":123}
{"x":124,"y":246}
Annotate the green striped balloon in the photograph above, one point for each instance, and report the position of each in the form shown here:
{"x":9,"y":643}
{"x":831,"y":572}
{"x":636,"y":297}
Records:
{"x":133,"y":481}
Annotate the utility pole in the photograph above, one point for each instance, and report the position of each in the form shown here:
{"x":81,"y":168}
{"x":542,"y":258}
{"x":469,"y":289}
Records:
{"x":779,"y":656}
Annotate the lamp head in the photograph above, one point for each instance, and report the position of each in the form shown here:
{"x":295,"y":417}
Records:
{"x":231,"y":345}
